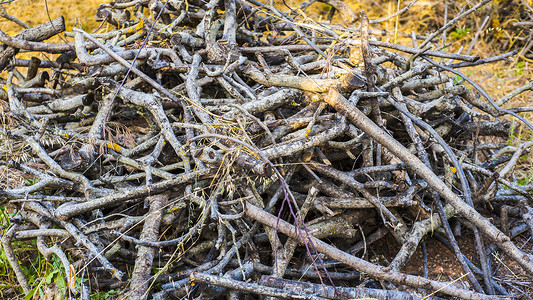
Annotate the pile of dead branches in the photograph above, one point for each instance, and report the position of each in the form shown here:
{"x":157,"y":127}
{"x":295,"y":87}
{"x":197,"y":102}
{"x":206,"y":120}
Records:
{"x":231,"y":148}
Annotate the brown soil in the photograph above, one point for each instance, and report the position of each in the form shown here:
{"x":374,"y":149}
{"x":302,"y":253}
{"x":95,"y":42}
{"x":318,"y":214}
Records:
{"x":443,"y":266}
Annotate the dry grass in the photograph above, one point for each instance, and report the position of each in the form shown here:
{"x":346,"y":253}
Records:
{"x":34,"y":12}
{"x":498,"y":37}
{"x":497,"y":79}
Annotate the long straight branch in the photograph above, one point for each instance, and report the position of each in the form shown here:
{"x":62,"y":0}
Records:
{"x":335,"y":99}
{"x":376,"y":271}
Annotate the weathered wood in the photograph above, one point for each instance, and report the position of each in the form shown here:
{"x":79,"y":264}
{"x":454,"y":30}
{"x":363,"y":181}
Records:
{"x":177,"y":153}
{"x":35,"y":34}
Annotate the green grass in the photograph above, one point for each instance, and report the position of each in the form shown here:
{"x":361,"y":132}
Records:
{"x":6,"y":273}
{"x":460,"y":33}
{"x":38,"y":271}
{"x":44,"y":274}
{"x":104,"y":295}
{"x":45,"y":277}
